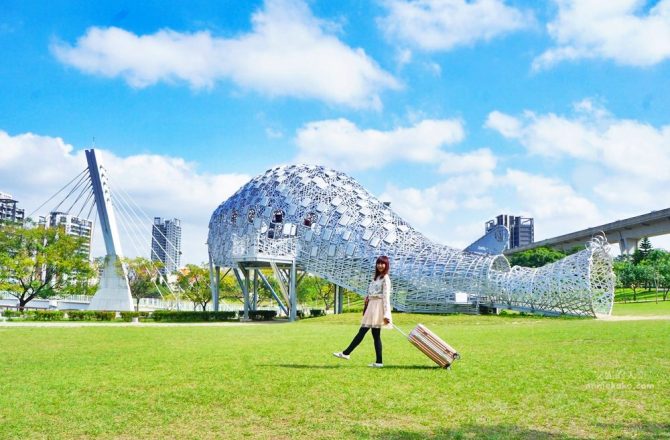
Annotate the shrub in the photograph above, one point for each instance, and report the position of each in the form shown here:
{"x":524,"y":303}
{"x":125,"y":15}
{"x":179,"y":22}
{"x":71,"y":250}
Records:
{"x":182,"y":316}
{"x":128,"y":316}
{"x":9,"y":313}
{"x":45,"y":315}
{"x":104,"y":315}
{"x":317,"y":312}
{"x":224,"y":316}
{"x":262,"y":315}
{"x":80,"y":315}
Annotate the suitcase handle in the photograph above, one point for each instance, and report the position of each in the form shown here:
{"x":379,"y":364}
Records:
{"x":398,"y":328}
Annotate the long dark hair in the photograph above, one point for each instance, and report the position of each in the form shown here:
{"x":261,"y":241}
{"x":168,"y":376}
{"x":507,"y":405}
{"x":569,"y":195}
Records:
{"x":387,"y":266}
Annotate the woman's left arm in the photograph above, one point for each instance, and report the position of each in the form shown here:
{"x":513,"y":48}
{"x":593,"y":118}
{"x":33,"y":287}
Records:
{"x":386,"y":292}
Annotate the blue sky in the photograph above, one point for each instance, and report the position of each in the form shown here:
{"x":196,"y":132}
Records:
{"x":454,"y":111}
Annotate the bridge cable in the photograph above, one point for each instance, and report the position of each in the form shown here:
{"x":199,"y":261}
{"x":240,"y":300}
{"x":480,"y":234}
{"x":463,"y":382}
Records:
{"x":58,"y":192}
{"x":74,"y":188}
{"x":125,"y":200}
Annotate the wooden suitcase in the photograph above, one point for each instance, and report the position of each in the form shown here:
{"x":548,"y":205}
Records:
{"x":432,"y":346}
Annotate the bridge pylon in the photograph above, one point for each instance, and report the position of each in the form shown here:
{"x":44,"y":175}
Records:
{"x":113,"y":292}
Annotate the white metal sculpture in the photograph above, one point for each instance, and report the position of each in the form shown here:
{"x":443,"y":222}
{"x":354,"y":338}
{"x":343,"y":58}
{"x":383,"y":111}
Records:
{"x":330,"y":226}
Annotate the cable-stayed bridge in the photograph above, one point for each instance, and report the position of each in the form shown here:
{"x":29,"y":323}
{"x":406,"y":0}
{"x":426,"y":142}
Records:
{"x":91,"y":190}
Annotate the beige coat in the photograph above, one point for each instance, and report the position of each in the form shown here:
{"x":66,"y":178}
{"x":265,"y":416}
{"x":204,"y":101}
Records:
{"x":379,"y":305}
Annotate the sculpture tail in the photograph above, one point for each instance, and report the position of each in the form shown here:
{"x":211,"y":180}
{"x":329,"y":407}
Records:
{"x":579,"y":284}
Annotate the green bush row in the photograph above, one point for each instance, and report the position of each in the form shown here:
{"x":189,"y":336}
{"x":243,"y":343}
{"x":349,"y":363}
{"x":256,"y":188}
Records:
{"x":44,"y":315}
{"x":9,"y":313}
{"x":182,"y":316}
{"x":158,"y":315}
{"x":261,"y":315}
{"x":90,"y":315}
{"x":59,"y":315}
{"x":128,"y":316}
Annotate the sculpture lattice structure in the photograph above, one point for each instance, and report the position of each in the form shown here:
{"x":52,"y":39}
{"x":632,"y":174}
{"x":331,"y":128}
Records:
{"x":333,"y":228}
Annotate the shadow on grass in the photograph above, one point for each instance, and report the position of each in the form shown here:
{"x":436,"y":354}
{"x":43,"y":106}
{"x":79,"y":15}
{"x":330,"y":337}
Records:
{"x":386,"y":367}
{"x":302,"y":366}
{"x":643,"y":430}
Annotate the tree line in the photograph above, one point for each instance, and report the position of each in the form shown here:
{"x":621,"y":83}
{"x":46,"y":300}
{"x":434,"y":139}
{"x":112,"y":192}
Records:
{"x":38,"y":262}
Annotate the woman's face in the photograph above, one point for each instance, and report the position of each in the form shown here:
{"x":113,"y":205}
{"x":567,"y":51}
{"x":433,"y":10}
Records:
{"x":381,"y":266}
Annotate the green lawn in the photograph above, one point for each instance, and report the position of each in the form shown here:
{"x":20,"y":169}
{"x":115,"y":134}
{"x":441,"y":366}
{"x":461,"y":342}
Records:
{"x":523,"y":377}
{"x":626,"y":295}
{"x":642,"y":308}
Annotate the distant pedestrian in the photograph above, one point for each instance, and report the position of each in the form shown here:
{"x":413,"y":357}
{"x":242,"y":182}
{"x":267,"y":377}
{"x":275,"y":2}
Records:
{"x":376,"y":313}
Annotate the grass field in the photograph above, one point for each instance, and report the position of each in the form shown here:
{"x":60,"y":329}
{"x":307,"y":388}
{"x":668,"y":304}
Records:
{"x":626,"y":295}
{"x":642,"y":308}
{"x":519,"y":377}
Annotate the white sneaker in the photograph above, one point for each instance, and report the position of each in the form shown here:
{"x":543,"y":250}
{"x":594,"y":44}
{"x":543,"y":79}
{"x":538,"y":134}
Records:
{"x":341,"y":355}
{"x":375,"y":365}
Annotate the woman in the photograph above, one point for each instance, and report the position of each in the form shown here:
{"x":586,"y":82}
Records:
{"x":377,"y":312}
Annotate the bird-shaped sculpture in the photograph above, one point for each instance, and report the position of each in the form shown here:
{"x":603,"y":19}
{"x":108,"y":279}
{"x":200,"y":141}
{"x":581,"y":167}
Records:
{"x":335,"y":229}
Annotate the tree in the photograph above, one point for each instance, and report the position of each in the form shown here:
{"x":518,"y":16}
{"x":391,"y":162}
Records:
{"x":229,"y":288}
{"x":642,"y":251}
{"x":144,"y":279}
{"x":39,"y":262}
{"x":315,"y":288}
{"x":657,"y":264}
{"x":536,"y":257}
{"x":194,"y":281}
{"x":633,"y":276}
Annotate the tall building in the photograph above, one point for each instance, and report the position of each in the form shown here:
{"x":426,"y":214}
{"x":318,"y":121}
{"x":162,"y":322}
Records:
{"x":8,"y":210}
{"x":75,"y":226}
{"x":521,"y":229}
{"x":166,"y":244}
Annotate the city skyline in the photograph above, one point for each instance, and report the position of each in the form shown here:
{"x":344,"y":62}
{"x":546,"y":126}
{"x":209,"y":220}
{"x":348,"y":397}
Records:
{"x":453,"y":111}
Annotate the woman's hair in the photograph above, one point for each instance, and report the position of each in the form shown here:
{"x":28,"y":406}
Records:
{"x":387,"y":265}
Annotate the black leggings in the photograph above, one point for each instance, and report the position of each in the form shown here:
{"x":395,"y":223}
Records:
{"x":376,"y":335}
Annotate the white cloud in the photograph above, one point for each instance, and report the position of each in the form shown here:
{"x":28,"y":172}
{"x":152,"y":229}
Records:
{"x":508,"y":126}
{"x":288,"y":52}
{"x":273,"y":133}
{"x":632,"y":148}
{"x":552,"y":202}
{"x":618,"y":166}
{"x":341,"y":144}
{"x":438,"y":209}
{"x":438,"y":25}
{"x":616,"y":30}
{"x":455,"y":210}
{"x":34,"y":167}
{"x":473,"y":161}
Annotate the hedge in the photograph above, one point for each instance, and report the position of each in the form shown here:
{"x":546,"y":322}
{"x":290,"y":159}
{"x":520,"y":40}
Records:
{"x":9,"y":313}
{"x":128,"y":316}
{"x":44,"y":315}
{"x":183,"y":316}
{"x":261,"y":315}
{"x":90,"y":315}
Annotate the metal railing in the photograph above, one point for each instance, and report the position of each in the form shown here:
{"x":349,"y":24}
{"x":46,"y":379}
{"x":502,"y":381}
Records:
{"x":259,"y":244}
